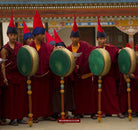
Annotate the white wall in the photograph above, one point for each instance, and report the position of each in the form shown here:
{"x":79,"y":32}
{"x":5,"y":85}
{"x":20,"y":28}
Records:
{"x":4,"y":29}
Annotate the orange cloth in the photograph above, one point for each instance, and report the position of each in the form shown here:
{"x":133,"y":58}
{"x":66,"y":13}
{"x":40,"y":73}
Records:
{"x":37,"y":46}
{"x":75,"y":49}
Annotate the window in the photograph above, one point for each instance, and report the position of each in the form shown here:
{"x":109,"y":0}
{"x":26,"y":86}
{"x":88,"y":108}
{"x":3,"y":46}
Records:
{"x":116,"y":37}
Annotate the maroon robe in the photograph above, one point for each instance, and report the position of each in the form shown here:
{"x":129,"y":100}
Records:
{"x":109,"y":97}
{"x":1,"y":95}
{"x":1,"y":102}
{"x":56,"y":94}
{"x":123,"y":102}
{"x":123,"y":97}
{"x":41,"y":85}
{"x":1,"y":105}
{"x":0,"y":99}
{"x":69,"y":104}
{"x":134,"y":89}
{"x":15,"y":96}
{"x":83,"y":88}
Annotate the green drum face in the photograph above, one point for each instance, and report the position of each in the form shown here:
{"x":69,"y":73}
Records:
{"x":27,"y":60}
{"x":62,"y":62}
{"x":96,"y":62}
{"x":127,"y":61}
{"x":99,"y":62}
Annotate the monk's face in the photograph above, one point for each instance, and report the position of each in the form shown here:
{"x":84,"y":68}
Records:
{"x":12,"y":37}
{"x":40,"y":37}
{"x":75,"y":40}
{"x":101,"y":41}
{"x":58,"y":47}
{"x":29,"y":40}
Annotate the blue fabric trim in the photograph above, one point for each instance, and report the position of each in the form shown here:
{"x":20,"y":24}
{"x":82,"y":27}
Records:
{"x":52,"y":43}
{"x":60,"y":44}
{"x":27,"y":35}
{"x":66,"y":2}
{"x":38,"y":30}
{"x":99,"y":34}
{"x":75,"y":34}
{"x":11,"y":30}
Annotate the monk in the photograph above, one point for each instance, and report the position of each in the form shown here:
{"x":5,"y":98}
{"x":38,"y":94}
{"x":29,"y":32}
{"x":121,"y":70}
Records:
{"x":41,"y":91}
{"x":134,"y":90}
{"x":110,"y":101}
{"x":83,"y":88}
{"x":68,"y":88}
{"x":15,"y":97}
{"x":2,"y":122}
{"x":123,"y":99}
{"x":27,"y":35}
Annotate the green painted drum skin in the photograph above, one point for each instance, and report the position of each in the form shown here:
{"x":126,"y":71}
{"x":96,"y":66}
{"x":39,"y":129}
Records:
{"x":27,"y":60}
{"x":127,"y":61}
{"x":62,"y":62}
{"x":99,"y":62}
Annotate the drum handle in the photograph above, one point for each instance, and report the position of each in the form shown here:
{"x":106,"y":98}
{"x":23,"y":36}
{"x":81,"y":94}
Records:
{"x":99,"y":98}
{"x":62,"y":97}
{"x":30,"y":102}
{"x":85,"y":76}
{"x":40,"y":76}
{"x":129,"y":98}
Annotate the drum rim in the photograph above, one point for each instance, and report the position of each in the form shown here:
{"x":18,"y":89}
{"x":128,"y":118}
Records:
{"x":106,"y":58}
{"x":71,"y":60}
{"x":132,"y":57}
{"x":132,"y":60}
{"x":19,"y":66}
{"x":91,"y":68}
{"x":35,"y":59}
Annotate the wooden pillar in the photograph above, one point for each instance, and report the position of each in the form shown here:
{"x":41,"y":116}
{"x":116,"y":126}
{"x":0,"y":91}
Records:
{"x":16,"y":25}
{"x":46,"y":26}
{"x":1,"y":36}
{"x":131,"y":40}
{"x":96,"y":42}
{"x":4,"y":30}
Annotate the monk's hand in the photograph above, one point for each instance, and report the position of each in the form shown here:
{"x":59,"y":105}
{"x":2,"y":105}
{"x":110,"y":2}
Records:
{"x":5,"y":81}
{"x":125,"y":77}
{"x":75,"y":58}
{"x":119,"y":51}
{"x":132,"y":76}
{"x":77,"y":66}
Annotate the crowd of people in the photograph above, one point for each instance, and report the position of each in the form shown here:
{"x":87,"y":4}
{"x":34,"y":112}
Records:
{"x":81,"y":86}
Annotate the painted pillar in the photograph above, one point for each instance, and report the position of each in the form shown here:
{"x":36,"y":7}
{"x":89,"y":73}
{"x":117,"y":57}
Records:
{"x":130,"y":30}
{"x":131,"y":40}
{"x":4,"y":29}
{"x":96,"y":42}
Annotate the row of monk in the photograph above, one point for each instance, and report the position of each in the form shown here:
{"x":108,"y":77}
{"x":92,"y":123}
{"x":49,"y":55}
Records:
{"x":80,"y":87}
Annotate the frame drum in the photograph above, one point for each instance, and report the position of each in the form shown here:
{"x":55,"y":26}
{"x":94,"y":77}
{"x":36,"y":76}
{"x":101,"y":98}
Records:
{"x":62,"y":62}
{"x":27,"y":60}
{"x":127,"y":61}
{"x":99,"y":62}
